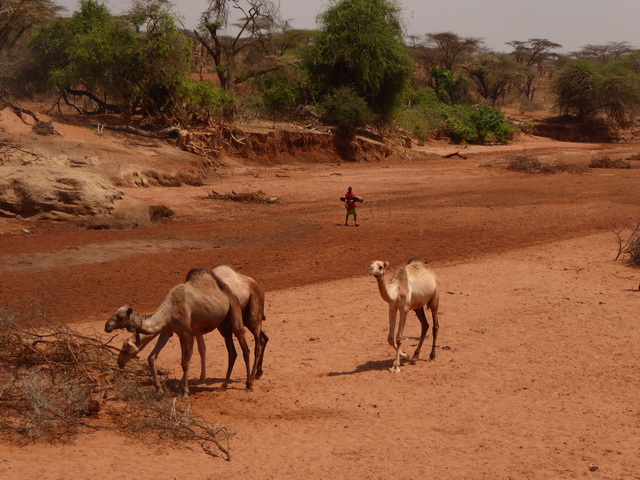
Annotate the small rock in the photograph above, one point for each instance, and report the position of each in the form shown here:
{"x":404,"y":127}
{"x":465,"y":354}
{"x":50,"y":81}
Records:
{"x":592,"y":468}
{"x":24,"y":231}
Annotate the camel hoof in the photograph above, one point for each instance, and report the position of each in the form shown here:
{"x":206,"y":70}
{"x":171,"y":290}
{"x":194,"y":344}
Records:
{"x":432,"y":356}
{"x":394,"y":369}
{"x":404,"y":356}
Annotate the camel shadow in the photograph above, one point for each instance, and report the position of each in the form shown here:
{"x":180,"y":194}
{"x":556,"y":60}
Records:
{"x":369,"y":366}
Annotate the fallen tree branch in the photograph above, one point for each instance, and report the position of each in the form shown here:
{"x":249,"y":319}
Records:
{"x":455,"y":154}
{"x":169,"y":132}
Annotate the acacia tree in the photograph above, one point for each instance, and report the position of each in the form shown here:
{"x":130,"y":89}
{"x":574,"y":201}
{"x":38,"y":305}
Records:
{"x":17,"y":17}
{"x":492,"y":74}
{"x":445,"y":50}
{"x":603,"y":53}
{"x":360,"y":46}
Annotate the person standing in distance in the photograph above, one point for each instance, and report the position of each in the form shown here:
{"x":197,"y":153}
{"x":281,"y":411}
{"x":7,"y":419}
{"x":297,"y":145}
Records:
{"x":350,"y":205}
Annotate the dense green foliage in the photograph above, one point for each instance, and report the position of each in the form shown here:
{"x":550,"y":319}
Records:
{"x":345,"y":109}
{"x":360,"y":45}
{"x":586,"y":88}
{"x":133,"y":64}
{"x":429,"y":116}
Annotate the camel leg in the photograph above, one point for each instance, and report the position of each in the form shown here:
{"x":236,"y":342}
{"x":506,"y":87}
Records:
{"x":235,"y":318}
{"x":165,"y":335}
{"x":264,"y":339}
{"x":425,"y":328}
{"x":186,"y":344}
{"x":396,"y":363}
{"x":225,"y":331}
{"x":252,"y":319}
{"x":392,"y":331}
{"x":436,"y":324}
{"x":202,"y":350}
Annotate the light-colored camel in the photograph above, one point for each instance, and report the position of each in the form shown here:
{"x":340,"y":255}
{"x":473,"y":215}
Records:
{"x":251,"y":299}
{"x":197,"y":306}
{"x":412,"y":287}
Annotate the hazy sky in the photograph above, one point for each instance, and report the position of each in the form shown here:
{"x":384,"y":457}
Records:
{"x":571,"y":23}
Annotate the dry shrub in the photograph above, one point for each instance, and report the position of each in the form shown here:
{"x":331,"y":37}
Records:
{"x":629,"y":243}
{"x":530,"y":164}
{"x":158,"y":212}
{"x":605,"y":161}
{"x":53,"y":381}
{"x":252,"y":197}
{"x":524,"y":163}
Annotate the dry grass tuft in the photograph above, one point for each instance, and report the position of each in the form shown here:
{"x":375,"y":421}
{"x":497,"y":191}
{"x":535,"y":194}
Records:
{"x":54,"y":381}
{"x":605,"y":161}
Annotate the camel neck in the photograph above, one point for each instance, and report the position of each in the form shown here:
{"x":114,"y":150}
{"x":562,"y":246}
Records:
{"x":386,"y":291}
{"x":152,"y":324}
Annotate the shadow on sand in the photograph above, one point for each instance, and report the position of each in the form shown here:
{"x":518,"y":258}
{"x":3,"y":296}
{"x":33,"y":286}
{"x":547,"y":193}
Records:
{"x":366,"y":367}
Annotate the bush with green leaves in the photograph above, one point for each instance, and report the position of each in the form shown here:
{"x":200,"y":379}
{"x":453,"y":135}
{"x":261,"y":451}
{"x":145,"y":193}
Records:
{"x":346,"y":110}
{"x":134,"y":63}
{"x":489,"y":124}
{"x":284,"y":90}
{"x":586,"y":89}
{"x":203,"y":100}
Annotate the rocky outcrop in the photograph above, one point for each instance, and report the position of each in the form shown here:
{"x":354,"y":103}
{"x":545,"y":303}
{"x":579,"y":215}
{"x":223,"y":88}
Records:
{"x":54,"y":192}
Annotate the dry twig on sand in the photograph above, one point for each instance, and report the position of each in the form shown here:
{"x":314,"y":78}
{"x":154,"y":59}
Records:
{"x":54,"y":380}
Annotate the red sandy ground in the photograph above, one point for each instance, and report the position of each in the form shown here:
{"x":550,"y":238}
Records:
{"x":536,"y":375}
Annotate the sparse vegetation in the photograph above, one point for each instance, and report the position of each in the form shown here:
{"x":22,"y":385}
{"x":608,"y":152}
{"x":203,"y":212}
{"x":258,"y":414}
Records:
{"x":54,"y":379}
{"x":629,"y":243}
{"x":251,"y":197}
{"x":605,"y":161}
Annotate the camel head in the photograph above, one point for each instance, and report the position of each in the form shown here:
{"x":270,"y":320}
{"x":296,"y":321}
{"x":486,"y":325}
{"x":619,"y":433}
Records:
{"x":129,"y":350}
{"x":377,"y":268}
{"x":121,"y":319}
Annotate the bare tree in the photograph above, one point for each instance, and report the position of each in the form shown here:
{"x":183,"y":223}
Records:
{"x":254,"y":29}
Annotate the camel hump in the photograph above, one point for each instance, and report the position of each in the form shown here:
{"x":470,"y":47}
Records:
{"x":196,"y":273}
{"x":416,"y":259}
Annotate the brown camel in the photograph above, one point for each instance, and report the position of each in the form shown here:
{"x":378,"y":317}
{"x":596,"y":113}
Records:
{"x":251,"y":299}
{"x":197,"y":306}
{"x":412,"y":287}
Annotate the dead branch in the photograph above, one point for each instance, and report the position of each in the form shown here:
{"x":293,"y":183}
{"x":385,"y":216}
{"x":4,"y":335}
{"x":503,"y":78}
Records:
{"x":455,"y":154}
{"x":169,"y":132}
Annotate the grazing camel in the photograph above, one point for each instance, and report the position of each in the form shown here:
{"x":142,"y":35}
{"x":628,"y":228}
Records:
{"x":197,"y":306}
{"x":251,"y":299}
{"x":132,"y":346}
{"x":412,"y":287}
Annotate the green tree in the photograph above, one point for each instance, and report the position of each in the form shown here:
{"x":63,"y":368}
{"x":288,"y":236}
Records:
{"x":360,"y":45}
{"x":134,"y":63}
{"x":586,"y":89}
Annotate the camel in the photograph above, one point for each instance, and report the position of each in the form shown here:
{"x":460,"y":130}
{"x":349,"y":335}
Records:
{"x":199,"y":305}
{"x":412,"y":287}
{"x":251,"y":299}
